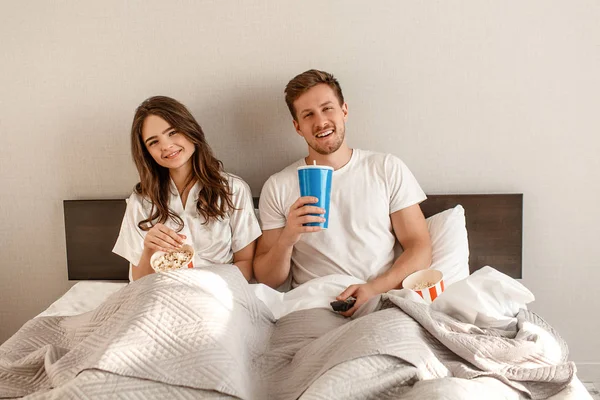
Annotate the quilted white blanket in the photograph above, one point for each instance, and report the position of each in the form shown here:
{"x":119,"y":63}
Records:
{"x":201,"y":333}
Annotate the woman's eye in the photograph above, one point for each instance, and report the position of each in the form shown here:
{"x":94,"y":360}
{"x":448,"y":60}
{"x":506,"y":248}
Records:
{"x":172,"y":133}
{"x":152,"y":143}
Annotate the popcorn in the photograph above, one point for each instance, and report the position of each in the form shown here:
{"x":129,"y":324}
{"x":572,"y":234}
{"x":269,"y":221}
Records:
{"x":422,"y":285}
{"x":172,"y":260}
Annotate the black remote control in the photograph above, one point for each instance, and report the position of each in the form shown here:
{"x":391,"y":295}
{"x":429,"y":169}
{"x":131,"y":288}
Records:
{"x":343,"y":305}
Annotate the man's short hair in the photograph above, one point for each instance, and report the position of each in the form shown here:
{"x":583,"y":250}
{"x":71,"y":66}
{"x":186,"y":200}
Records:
{"x":306,"y":80}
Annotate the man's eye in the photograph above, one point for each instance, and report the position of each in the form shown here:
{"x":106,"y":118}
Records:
{"x":307,"y":115}
{"x":328,"y":108}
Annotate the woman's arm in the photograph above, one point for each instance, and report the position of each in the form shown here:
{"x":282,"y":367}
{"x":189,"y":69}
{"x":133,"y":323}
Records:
{"x":243,"y":259}
{"x":244,"y":226}
{"x":143,"y":268}
{"x":159,"y":238}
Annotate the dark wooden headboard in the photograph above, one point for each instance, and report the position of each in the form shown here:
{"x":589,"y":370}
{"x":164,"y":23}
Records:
{"x":91,"y":230}
{"x":494,"y":226}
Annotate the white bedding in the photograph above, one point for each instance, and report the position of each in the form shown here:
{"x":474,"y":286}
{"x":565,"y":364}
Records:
{"x":84,"y":296}
{"x":88,"y":295}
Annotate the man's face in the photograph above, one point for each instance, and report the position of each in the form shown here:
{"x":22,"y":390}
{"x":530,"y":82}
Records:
{"x":321,"y":120}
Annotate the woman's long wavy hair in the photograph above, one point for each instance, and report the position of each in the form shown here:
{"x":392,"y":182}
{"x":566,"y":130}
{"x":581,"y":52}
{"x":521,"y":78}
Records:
{"x":214,"y":199}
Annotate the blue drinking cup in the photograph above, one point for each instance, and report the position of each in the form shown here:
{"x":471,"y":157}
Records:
{"x":315,"y":181}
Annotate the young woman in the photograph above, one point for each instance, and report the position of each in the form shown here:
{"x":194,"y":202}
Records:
{"x":183,"y":196}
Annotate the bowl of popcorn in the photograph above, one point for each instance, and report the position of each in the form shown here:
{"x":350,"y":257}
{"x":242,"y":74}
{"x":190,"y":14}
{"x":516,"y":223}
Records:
{"x":164,"y":261}
{"x":428,"y":283}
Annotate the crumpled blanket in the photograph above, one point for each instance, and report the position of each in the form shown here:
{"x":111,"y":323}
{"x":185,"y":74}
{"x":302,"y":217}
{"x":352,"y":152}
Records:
{"x":201,"y":333}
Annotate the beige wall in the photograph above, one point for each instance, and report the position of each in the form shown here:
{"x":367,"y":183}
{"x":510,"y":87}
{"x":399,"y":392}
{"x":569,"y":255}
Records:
{"x":475,"y":96}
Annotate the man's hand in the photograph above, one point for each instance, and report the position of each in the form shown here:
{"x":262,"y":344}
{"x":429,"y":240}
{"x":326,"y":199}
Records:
{"x":275,"y":246}
{"x":363,"y":293}
{"x":300,"y":214}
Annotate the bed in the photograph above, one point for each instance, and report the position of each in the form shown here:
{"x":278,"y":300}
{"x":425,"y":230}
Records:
{"x":206,"y":333}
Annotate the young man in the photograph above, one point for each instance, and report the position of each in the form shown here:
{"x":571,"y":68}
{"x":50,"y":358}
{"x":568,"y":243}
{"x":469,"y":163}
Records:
{"x":374,"y":201}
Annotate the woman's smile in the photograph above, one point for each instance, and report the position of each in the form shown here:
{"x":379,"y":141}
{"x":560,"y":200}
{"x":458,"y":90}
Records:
{"x":173,"y":154}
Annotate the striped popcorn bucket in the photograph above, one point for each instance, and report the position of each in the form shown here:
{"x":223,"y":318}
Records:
{"x":428,"y":284}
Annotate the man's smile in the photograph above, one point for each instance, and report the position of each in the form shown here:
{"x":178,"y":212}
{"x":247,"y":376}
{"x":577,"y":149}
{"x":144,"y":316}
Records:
{"x":324,"y":133}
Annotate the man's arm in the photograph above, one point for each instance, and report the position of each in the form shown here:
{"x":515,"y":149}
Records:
{"x":274,"y":250}
{"x":411,"y":231}
{"x":272,"y":259}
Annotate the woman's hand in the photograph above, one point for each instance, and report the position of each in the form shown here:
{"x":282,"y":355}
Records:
{"x":163,"y":238}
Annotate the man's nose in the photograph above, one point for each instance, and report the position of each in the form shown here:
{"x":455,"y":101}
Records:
{"x":320,"y":121}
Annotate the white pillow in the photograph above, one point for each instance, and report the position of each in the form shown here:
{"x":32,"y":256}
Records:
{"x":450,"y":245}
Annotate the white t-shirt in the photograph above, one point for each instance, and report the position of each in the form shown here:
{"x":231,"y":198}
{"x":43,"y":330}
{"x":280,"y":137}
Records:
{"x":359,"y":241}
{"x":214,"y":242}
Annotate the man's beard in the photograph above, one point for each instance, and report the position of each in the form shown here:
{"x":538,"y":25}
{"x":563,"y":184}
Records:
{"x":333,"y":147}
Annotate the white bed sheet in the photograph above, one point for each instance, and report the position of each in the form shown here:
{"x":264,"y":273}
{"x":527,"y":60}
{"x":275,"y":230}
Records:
{"x":85,"y":296}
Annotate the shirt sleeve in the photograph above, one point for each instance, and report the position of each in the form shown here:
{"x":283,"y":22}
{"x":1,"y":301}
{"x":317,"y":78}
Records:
{"x":243,"y":222}
{"x":271,"y":212}
{"x":404,"y":190}
{"x":130,"y":243}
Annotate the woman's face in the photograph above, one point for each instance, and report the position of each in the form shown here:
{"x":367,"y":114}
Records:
{"x":169,"y":148}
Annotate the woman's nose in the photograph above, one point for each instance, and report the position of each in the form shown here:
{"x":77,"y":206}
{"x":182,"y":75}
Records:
{"x":166,"y":143}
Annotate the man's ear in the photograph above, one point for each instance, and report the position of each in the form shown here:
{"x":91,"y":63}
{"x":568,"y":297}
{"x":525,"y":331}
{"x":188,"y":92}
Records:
{"x":297,"y":127}
{"x":345,"y":111}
